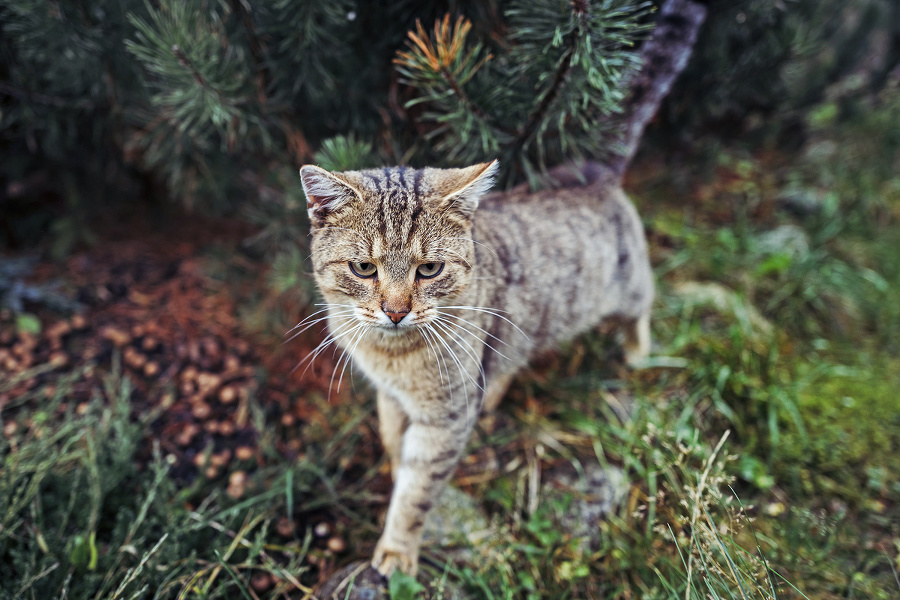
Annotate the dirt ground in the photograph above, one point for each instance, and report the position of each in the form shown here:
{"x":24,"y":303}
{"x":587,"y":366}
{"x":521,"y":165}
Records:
{"x":149,"y":305}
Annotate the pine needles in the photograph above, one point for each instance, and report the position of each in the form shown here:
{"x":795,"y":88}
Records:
{"x":543,"y":95}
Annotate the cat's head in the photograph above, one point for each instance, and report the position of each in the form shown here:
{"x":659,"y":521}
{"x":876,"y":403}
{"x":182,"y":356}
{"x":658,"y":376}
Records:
{"x":392,"y":245}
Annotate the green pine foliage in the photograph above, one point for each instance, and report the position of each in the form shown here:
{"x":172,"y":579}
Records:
{"x":541,"y":97}
{"x":199,"y":100}
{"x":203,"y":98}
{"x":186,"y":93}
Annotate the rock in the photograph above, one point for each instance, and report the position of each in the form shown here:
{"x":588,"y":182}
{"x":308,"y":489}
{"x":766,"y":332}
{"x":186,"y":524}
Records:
{"x":356,"y":581}
{"x":458,"y":521}
{"x":455,"y":520}
{"x":594,"y":496}
{"x":802,"y":202}
{"x":726,"y":302}
{"x":786,"y":239}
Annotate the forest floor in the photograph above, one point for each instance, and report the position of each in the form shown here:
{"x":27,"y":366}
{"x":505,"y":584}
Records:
{"x":163,"y":437}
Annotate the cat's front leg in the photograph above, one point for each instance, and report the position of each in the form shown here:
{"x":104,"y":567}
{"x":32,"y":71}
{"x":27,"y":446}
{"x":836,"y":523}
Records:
{"x":428,"y":457}
{"x":392,"y":422}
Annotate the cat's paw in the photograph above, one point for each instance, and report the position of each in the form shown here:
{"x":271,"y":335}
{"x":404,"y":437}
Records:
{"x":637,"y":341}
{"x":386,"y":560}
{"x":635,"y":357}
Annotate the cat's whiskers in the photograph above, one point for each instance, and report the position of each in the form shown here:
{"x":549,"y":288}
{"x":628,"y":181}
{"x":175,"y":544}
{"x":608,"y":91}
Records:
{"x":320,"y":311}
{"x":340,"y":360}
{"x":463,"y":372}
{"x":467,"y":348}
{"x":426,"y":333}
{"x":306,"y":325}
{"x":477,"y":338}
{"x":346,"y":356}
{"x":304,"y":320}
{"x":351,"y":333}
{"x":438,"y":338}
{"x":341,"y":330}
{"x":310,"y":358}
{"x":470,"y":324}
{"x":491,"y":311}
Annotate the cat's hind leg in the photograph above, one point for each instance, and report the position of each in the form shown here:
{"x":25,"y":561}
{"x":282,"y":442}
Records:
{"x":494,"y":393}
{"x":637,"y":339}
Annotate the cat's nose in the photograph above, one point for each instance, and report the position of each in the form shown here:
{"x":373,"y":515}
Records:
{"x":394,"y":313}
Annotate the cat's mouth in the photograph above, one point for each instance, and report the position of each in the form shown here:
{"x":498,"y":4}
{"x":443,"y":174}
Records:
{"x":402,"y":326}
{"x":393,"y":324}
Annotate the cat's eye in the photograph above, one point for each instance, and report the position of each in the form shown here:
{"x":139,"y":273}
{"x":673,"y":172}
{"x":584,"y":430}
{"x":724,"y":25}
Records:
{"x":363,"y":269}
{"x":429,"y":270}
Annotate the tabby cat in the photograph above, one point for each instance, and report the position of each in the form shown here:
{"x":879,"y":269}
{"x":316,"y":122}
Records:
{"x":441,"y":292}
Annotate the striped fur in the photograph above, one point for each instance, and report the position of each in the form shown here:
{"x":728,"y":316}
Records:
{"x":522,"y":273}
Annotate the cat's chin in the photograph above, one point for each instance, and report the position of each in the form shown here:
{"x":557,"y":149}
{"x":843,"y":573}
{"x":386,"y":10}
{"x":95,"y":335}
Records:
{"x":397,"y":336}
{"x":396,"y":331}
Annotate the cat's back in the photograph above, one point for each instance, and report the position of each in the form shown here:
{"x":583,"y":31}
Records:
{"x":548,"y":208}
{"x":567,"y":221}
{"x":570,"y":256}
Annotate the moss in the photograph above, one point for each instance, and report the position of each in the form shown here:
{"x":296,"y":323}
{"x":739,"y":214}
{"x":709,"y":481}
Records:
{"x":853,"y":417}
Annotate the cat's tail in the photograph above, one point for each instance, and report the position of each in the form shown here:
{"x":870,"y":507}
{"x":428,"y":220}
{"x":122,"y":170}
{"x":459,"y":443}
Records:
{"x":663,"y":57}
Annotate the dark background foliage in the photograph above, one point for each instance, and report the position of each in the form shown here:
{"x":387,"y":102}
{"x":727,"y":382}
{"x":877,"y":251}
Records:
{"x":107,"y":102}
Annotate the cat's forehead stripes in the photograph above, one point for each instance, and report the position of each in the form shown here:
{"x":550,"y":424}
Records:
{"x":396,"y":216}
{"x":395,"y":204}
{"x":380,"y":181}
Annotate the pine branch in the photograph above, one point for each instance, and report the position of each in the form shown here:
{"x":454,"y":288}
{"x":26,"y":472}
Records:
{"x":581,"y":53}
{"x":443,"y":56}
{"x":565,"y":65}
{"x":473,"y":107}
{"x":559,"y":72}
{"x":187,"y":64}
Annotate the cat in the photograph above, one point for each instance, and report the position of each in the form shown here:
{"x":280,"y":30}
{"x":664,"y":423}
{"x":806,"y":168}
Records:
{"x":440,"y":292}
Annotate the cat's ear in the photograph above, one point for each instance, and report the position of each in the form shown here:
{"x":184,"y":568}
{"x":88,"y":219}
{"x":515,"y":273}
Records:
{"x":326,"y":193}
{"x":463,"y":188}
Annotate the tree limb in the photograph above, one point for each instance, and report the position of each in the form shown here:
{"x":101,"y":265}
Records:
{"x":565,"y":65}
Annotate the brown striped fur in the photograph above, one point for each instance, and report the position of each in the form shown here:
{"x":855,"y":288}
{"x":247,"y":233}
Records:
{"x":523,"y":272}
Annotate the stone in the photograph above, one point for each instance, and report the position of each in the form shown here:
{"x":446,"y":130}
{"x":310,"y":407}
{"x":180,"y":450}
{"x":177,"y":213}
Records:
{"x":356,"y":581}
{"x":727,"y":303}
{"x":452,"y":526}
{"x":594,"y":495}
{"x":786,"y":239}
{"x":802,"y":202}
{"x":455,"y":520}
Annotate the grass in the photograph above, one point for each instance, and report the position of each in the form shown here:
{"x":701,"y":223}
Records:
{"x":81,"y":518}
{"x":761,"y":448}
